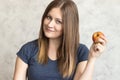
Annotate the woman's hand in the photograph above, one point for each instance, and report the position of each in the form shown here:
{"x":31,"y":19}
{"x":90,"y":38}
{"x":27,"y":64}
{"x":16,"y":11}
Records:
{"x":98,"y":47}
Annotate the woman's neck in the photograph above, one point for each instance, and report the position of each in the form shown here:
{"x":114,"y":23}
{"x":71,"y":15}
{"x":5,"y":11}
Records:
{"x":53,"y":46}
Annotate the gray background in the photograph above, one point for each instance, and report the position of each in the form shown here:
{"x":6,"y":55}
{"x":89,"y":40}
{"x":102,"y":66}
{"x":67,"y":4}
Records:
{"x":20,"y":22}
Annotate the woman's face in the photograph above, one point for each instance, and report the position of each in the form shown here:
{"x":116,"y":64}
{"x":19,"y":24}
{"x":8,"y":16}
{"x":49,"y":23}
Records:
{"x":52,"y":25}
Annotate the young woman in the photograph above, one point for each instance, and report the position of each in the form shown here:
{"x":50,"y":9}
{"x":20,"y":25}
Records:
{"x":57,"y":53}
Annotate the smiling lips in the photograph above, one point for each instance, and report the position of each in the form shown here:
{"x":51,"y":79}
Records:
{"x":49,"y":30}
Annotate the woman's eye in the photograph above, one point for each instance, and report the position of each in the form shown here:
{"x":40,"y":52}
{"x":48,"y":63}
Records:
{"x":48,"y":17}
{"x":58,"y":22}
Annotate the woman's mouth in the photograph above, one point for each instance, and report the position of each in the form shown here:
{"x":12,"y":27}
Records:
{"x":49,"y":30}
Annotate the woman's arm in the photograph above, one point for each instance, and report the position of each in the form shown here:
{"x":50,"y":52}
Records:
{"x":20,"y":70}
{"x":85,"y":69}
{"x":80,"y":69}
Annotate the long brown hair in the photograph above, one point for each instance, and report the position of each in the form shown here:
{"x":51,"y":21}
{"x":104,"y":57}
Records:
{"x":66,"y":53}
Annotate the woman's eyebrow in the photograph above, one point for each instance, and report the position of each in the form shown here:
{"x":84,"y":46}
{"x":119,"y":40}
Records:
{"x":55,"y":17}
{"x":59,"y":19}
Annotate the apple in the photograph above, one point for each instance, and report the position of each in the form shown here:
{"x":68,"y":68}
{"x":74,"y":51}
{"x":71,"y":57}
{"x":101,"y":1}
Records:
{"x":96,"y":36}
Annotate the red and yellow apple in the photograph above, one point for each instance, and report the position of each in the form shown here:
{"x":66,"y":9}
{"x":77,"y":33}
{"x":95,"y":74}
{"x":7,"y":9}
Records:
{"x":96,"y":36}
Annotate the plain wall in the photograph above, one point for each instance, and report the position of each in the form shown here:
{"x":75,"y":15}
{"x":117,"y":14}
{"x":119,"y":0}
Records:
{"x":20,"y":22}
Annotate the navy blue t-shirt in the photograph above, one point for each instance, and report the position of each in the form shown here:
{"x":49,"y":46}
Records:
{"x":49,"y":71}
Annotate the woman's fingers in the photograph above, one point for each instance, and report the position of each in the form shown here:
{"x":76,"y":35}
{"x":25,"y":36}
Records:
{"x":102,"y":40}
{"x":99,"y":47}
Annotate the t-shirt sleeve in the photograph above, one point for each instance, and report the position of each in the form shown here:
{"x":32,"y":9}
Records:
{"x":24,"y":53}
{"x":83,"y":52}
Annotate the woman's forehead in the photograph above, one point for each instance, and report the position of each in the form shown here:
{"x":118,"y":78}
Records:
{"x":55,"y":12}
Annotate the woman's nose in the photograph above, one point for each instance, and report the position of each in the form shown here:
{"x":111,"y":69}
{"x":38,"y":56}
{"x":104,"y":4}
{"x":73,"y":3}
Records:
{"x":51,"y":23}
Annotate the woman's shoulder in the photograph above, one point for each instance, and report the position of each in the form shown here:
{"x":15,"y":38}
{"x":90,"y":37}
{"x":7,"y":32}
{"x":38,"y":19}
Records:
{"x":33,"y":43}
{"x":28,"y":50}
{"x":82,"y":46}
{"x":30,"y":46}
{"x":82,"y":53}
